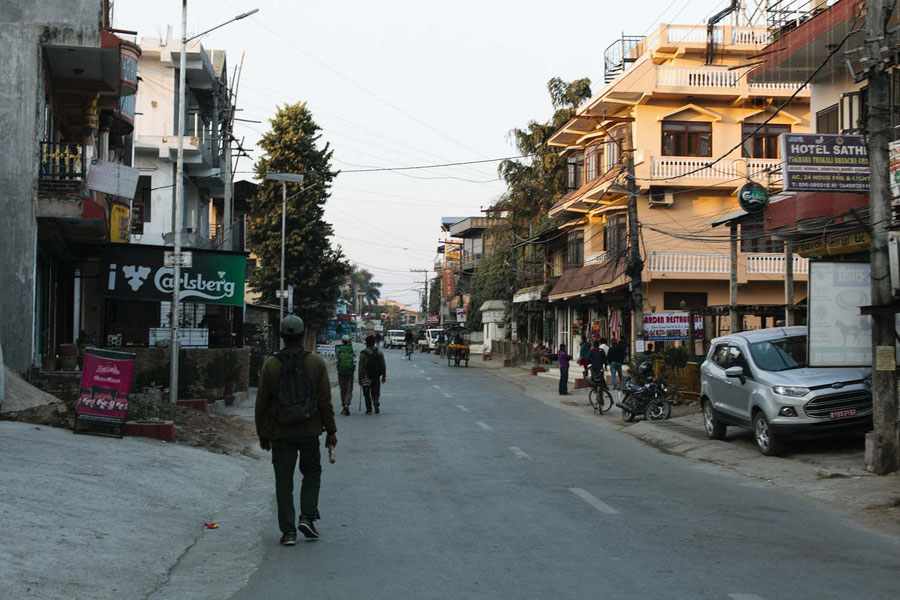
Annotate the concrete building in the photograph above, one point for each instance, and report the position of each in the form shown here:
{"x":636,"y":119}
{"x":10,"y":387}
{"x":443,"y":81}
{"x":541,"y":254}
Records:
{"x":684,"y":112}
{"x":67,"y":115}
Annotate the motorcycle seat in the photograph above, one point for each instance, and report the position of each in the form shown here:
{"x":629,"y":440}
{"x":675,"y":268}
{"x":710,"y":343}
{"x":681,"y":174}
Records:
{"x":634,"y":388}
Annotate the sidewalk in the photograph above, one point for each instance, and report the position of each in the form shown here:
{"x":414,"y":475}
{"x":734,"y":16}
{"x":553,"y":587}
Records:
{"x":830,"y":471}
{"x":77,"y":506}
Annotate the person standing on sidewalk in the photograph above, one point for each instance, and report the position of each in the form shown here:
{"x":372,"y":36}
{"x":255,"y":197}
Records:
{"x":293,"y":407}
{"x":584,"y":355}
{"x":616,"y":356}
{"x":346,"y":365}
{"x":563,"y":357}
{"x":372,"y":373}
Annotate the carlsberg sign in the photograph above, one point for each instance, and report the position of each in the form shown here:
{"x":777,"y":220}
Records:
{"x":138,"y":273}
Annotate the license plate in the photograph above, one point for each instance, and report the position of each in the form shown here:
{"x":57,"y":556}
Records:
{"x":840,"y":414}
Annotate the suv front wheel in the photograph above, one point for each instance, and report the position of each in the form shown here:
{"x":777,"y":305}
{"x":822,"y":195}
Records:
{"x":714,"y":428}
{"x":766,"y":439}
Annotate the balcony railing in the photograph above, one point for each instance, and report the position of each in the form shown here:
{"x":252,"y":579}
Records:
{"x":704,"y":77}
{"x":698,"y":263}
{"x":687,"y":262}
{"x":773,"y":264}
{"x":62,"y":161}
{"x":692,"y":34}
{"x":754,"y":36}
{"x":699,"y":168}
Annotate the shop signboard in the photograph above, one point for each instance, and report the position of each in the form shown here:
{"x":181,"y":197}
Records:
{"x":816,"y":162}
{"x":119,"y":224}
{"x":432,"y":320}
{"x":836,"y":244}
{"x":659,"y":327}
{"x":838,"y":335}
{"x":894,"y":167}
{"x":448,"y":282}
{"x":113,"y":178}
{"x":105,"y":385}
{"x":135,"y":272}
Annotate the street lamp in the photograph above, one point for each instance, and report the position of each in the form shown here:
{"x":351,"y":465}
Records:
{"x":179,"y":195}
{"x":284,"y":178}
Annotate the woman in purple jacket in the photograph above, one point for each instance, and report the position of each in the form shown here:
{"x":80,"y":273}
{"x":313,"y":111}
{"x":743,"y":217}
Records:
{"x":564,"y":359}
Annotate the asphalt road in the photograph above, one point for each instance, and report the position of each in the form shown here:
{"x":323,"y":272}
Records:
{"x":465,"y":488}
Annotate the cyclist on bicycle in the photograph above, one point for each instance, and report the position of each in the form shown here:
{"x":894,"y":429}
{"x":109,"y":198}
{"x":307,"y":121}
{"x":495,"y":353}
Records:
{"x":597,"y":359}
{"x":410,"y":340}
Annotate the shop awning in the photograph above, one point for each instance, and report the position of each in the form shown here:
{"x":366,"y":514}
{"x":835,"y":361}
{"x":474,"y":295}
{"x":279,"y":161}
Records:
{"x":586,"y":280}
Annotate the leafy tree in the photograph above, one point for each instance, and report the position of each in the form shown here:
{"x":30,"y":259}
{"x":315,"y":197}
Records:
{"x":315,"y":268}
{"x":434,"y":295}
{"x":361,"y":280}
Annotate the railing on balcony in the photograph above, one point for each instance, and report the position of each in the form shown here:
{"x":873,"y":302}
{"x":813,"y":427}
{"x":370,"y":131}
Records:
{"x":687,"y":262}
{"x":678,"y":166}
{"x":717,"y":77}
{"x":786,"y":86}
{"x":773,"y":264}
{"x":62,"y":161}
{"x":754,"y":36}
{"x":692,"y":34}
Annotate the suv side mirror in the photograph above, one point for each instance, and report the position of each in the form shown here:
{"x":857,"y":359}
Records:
{"x":737,"y":372}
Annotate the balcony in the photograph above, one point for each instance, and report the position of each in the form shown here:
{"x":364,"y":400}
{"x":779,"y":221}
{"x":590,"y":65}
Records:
{"x":728,"y":171}
{"x":62,"y":170}
{"x":723,"y":81}
{"x":751,"y":266}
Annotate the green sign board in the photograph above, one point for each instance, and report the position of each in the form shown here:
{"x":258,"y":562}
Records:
{"x":138,"y":273}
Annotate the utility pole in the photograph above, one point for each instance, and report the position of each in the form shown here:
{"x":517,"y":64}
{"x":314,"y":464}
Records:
{"x":634,"y":266}
{"x":425,"y":297}
{"x":789,"y":318}
{"x":733,"y":317}
{"x":884,"y":441}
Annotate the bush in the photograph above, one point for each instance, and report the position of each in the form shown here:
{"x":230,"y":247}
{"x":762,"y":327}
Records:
{"x":676,"y":357}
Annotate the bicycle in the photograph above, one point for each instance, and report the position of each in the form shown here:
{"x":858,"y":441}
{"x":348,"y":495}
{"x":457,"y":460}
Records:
{"x":599,"y":395}
{"x":409,"y":351}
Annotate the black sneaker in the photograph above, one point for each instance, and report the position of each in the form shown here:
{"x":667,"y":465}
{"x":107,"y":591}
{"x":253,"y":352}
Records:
{"x":289,"y":539}
{"x":377,"y":409}
{"x":307,"y":528}
{"x":346,"y":411}
{"x":368,"y":411}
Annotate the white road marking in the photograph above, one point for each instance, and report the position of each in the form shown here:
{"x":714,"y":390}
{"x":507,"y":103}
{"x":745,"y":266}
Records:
{"x":484,"y":426}
{"x":519,"y":452}
{"x":428,"y":378}
{"x":462,"y":408}
{"x":594,"y":501}
{"x":437,"y":387}
{"x":446,"y":395}
{"x":744,"y":597}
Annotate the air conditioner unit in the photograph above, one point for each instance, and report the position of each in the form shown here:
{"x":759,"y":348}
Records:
{"x":661,"y":197}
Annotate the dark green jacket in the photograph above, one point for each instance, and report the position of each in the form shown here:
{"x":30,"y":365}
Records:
{"x":266,"y":426}
{"x":364,"y":357}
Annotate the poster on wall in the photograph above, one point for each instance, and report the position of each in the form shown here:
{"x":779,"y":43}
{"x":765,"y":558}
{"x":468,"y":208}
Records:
{"x":105,"y":385}
{"x":672,"y":326}
{"x":838,"y":335}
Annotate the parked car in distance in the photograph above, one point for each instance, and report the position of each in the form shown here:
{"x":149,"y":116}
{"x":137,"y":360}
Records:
{"x":395,"y":338}
{"x":430,"y":341}
{"x":761,"y":380}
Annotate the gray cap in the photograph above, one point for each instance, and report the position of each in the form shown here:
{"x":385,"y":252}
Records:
{"x":292,"y":325}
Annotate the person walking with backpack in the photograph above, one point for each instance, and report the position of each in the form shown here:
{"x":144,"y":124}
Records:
{"x":293,"y":408}
{"x":346,"y":365}
{"x":372,"y":373}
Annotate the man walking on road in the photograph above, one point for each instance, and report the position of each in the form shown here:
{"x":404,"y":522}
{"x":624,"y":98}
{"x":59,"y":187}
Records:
{"x":293,"y":407}
{"x":372,"y":373}
{"x":616,"y":356}
{"x":346,"y":365}
{"x":563,"y":357}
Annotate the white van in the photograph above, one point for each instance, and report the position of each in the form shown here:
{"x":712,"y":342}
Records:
{"x":430,"y":341}
{"x":395,"y":338}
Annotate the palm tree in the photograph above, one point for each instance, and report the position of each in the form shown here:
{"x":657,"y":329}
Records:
{"x":362,"y":284}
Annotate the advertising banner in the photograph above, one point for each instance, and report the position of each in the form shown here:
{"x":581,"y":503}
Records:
{"x":432,"y":320}
{"x":671,"y":326}
{"x":105,"y":385}
{"x":113,"y":178}
{"x":894,"y":168}
{"x":448,"y":283}
{"x":134,"y":272}
{"x":815,"y":162}
{"x":119,"y":224}
{"x":838,"y":335}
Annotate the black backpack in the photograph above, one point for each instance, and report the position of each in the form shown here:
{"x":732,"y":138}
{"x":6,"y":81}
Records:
{"x":373,"y":365}
{"x":294,"y":402}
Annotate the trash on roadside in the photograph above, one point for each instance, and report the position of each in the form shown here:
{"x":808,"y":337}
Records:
{"x":211,"y":525}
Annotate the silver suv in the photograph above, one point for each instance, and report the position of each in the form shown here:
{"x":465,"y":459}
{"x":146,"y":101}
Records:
{"x":760,"y":380}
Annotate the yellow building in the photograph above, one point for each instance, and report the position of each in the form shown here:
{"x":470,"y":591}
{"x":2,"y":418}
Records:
{"x":687,"y":120}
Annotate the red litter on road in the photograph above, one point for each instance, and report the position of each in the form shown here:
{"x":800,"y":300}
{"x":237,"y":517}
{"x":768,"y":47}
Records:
{"x":211,"y":525}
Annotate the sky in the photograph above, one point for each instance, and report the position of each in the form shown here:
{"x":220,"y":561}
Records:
{"x":401,"y":83}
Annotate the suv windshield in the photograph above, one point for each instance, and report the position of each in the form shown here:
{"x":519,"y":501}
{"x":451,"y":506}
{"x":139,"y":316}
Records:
{"x":781,"y":354}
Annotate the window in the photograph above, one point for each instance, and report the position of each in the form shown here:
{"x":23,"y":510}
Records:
{"x":143,"y":206}
{"x":593,"y":156}
{"x":672,"y":300}
{"x":575,"y":249}
{"x":575,"y":174}
{"x":615,"y":235}
{"x":686,"y":138}
{"x":736,"y":358}
{"x":612,"y":152}
{"x":780,"y":355}
{"x":827,"y":120}
{"x":754,"y":238}
{"x":762,"y":143}
{"x":720,"y":356}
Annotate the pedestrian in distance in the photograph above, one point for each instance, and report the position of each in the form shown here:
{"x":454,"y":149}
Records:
{"x":346,"y":366}
{"x":604,"y":346}
{"x":597,"y":359}
{"x":563,"y":357}
{"x":372,"y":373}
{"x":293,"y":408}
{"x":583,"y":355}
{"x":616,"y":356}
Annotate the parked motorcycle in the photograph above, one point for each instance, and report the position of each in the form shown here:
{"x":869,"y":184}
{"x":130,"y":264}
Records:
{"x":648,"y":399}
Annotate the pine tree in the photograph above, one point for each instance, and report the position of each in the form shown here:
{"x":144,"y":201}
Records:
{"x":315,"y":268}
